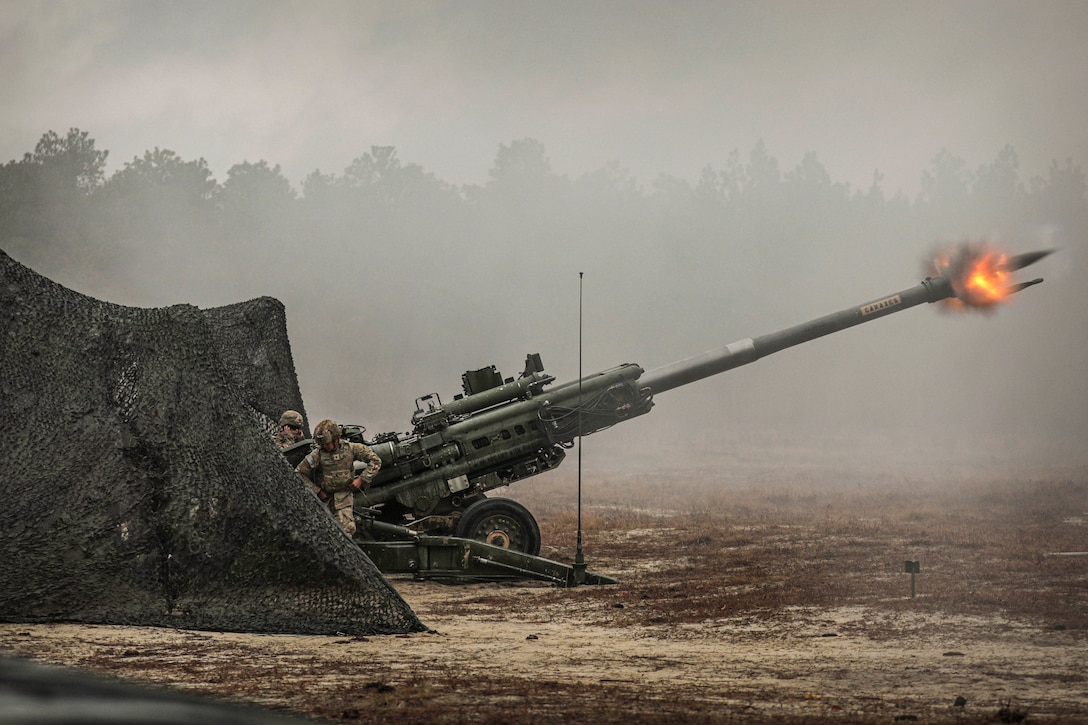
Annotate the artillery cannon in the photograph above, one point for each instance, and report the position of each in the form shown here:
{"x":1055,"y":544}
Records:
{"x":434,"y":480}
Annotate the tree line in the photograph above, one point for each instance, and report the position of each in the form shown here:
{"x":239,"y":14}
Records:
{"x":59,"y":195}
{"x":720,"y":236}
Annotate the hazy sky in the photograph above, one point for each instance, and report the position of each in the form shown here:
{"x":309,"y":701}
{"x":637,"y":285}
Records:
{"x":660,"y":87}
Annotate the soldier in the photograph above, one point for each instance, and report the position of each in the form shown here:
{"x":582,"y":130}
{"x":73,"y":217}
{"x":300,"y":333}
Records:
{"x":329,"y":471}
{"x":290,"y":431}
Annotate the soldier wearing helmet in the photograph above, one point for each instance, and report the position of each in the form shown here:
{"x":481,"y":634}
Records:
{"x":291,"y":429}
{"x":329,"y":471}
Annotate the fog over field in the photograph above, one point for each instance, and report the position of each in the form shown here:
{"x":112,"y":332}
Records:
{"x":422,"y":183}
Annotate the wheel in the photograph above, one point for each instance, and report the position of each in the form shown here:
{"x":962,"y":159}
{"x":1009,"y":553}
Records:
{"x":500,"y":522}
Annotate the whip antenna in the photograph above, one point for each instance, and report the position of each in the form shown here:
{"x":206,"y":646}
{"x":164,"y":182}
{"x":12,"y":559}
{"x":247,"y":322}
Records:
{"x":579,"y":558}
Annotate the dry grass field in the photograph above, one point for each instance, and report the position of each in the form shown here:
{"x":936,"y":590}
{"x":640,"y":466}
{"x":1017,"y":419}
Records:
{"x":754,"y":597}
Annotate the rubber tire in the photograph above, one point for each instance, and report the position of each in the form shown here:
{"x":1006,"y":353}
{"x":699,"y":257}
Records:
{"x":503,"y":514}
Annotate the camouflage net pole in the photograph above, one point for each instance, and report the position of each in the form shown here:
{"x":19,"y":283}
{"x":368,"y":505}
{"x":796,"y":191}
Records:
{"x":140,"y":485}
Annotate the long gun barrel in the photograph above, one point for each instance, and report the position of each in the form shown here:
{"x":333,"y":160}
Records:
{"x":751,"y":349}
{"x":742,"y":352}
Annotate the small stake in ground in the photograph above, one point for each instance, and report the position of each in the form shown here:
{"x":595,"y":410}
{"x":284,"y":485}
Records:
{"x":912,"y":568}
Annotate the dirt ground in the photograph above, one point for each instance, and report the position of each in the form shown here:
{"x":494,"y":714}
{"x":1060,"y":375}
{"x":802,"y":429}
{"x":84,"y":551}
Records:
{"x":756,"y":600}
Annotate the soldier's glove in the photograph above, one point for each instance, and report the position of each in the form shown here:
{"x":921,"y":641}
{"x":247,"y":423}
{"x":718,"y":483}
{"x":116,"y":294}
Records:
{"x":357,"y":483}
{"x":322,"y":494}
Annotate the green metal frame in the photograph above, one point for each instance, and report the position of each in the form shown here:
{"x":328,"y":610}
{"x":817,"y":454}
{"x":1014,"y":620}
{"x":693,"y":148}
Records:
{"x":451,"y":557}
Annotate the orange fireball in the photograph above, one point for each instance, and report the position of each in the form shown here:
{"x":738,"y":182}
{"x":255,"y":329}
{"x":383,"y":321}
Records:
{"x":985,"y":282}
{"x":979,"y":275}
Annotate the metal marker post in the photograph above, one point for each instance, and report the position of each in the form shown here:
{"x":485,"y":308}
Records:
{"x":912,"y":568}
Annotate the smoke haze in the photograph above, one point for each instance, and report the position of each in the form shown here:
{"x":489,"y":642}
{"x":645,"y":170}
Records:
{"x":660,"y":87}
{"x":626,"y":140}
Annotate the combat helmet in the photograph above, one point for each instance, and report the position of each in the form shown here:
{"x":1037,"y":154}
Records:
{"x":327,"y":431}
{"x":292,"y":418}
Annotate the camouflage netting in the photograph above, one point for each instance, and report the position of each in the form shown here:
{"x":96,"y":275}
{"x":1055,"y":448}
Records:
{"x":140,"y":485}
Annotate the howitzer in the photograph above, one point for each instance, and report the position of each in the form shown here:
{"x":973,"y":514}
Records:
{"x":434,"y":480}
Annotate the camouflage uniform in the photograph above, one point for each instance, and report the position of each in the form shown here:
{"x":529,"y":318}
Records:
{"x":284,"y":439}
{"x":329,"y":474}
